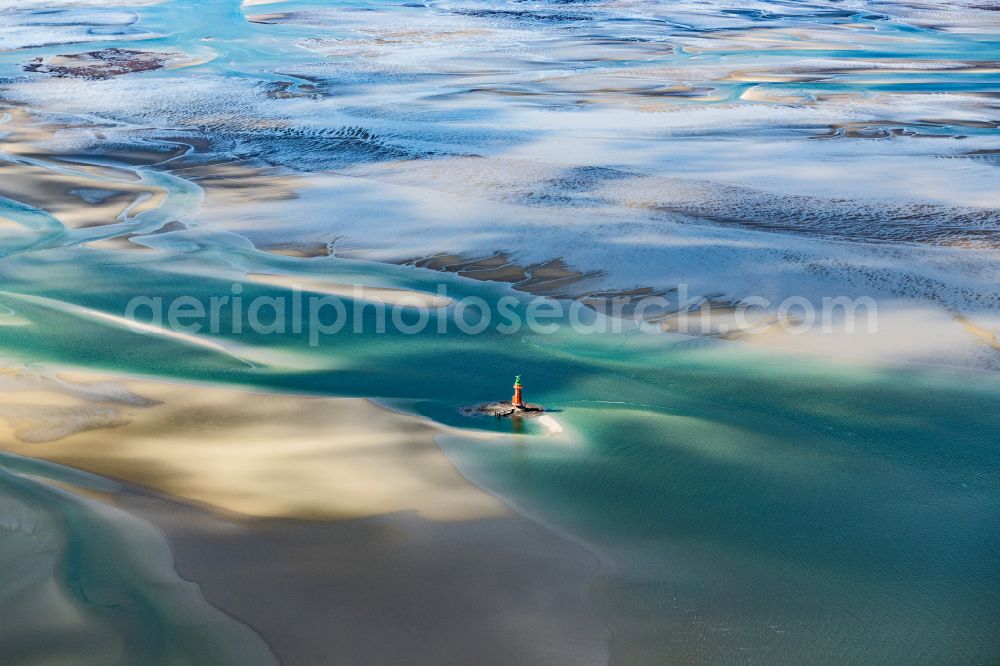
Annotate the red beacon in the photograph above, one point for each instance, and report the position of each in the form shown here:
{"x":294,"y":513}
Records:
{"x":517,"y":401}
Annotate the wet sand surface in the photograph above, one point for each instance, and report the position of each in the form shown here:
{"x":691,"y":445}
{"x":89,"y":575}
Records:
{"x":392,"y":588}
{"x":256,"y":454}
{"x":829,"y":502}
{"x":435,"y":571}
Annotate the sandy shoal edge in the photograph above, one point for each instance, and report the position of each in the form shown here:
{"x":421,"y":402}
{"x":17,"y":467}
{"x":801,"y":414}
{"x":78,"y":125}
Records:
{"x":361,"y":546}
{"x":246,"y":452}
{"x":393,"y":588}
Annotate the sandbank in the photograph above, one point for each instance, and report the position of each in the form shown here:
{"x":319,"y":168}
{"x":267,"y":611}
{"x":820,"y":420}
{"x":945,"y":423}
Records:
{"x":334,"y":528}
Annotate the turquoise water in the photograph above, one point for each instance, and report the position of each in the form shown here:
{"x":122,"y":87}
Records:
{"x":83,"y":583}
{"x":748,"y":506}
{"x":740,"y":500}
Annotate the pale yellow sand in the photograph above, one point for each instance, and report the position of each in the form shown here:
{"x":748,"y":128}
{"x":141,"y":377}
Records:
{"x":60,"y":188}
{"x":233,"y":183}
{"x":460,"y":572}
{"x":402,"y":297}
{"x":907,"y":334}
{"x":981,"y":333}
{"x":56,"y":193}
{"x":250,"y":453}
